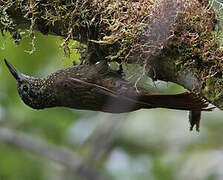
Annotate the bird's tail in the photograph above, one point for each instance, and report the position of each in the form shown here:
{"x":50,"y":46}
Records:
{"x":182,"y":101}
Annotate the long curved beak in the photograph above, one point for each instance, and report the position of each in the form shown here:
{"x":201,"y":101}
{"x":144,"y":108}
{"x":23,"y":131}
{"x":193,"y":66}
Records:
{"x":17,"y":75}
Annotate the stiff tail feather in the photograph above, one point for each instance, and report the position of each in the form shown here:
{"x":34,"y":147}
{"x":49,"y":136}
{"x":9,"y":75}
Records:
{"x":182,"y":101}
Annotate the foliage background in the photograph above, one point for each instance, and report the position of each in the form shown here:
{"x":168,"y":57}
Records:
{"x":146,"y":144}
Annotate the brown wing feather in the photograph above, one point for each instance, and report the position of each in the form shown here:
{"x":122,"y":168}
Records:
{"x":111,"y":101}
{"x":90,"y":96}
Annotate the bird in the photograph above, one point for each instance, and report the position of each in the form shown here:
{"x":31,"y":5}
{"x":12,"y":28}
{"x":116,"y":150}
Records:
{"x":97,"y":87}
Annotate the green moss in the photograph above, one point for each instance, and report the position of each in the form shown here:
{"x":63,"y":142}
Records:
{"x":210,"y":91}
{"x":109,"y":27}
{"x":121,"y":30}
{"x":185,"y":32}
{"x":196,"y":47}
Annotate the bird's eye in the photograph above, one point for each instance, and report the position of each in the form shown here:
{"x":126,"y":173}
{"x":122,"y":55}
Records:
{"x":25,"y":88}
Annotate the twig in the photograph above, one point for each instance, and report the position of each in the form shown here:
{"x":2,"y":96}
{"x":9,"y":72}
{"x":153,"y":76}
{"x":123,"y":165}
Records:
{"x":65,"y":157}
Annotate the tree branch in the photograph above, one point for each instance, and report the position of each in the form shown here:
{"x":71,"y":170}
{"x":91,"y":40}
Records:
{"x":173,"y":41}
{"x":65,"y":157}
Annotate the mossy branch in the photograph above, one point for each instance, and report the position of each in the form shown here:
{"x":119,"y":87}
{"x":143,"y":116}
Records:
{"x":177,"y":41}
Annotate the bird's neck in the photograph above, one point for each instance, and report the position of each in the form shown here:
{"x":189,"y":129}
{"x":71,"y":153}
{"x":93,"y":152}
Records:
{"x":47,"y":97}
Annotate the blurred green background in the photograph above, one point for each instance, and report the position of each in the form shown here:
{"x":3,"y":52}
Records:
{"x":146,"y":144}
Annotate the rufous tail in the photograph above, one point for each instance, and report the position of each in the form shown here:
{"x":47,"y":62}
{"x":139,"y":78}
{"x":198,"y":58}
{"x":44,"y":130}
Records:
{"x":182,"y":101}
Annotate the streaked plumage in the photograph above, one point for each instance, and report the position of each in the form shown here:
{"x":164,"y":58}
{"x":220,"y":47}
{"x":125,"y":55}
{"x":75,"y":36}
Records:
{"x":96,"y":87}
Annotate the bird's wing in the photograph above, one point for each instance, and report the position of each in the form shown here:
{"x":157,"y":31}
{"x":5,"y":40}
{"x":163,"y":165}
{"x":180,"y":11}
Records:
{"x":128,"y":101}
{"x":92,"y":96}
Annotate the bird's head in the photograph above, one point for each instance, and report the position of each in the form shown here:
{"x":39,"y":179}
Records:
{"x":29,"y":88}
